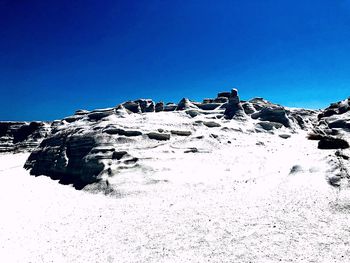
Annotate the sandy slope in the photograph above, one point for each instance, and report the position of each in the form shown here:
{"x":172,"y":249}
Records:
{"x":236,"y":204}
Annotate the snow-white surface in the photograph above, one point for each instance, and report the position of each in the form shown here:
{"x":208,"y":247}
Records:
{"x":236,"y":203}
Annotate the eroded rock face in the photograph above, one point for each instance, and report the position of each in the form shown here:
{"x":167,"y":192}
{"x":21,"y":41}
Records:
{"x":70,"y":158}
{"x":22,"y":136}
{"x":185,"y":104}
{"x":159,"y":107}
{"x":233,"y":107}
{"x":333,"y":126}
{"x":273,"y":114}
{"x":337,"y":108}
{"x":89,"y":148}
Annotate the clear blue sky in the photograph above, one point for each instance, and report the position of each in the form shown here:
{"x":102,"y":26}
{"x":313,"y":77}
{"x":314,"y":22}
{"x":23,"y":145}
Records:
{"x":58,"y":56}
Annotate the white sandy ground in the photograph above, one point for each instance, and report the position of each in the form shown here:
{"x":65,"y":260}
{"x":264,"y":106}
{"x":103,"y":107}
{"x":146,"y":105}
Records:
{"x":237,"y":204}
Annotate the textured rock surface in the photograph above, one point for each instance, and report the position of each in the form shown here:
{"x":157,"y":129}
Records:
{"x":234,"y":106}
{"x":89,"y":148}
{"x":273,"y":114}
{"x":21,"y":136}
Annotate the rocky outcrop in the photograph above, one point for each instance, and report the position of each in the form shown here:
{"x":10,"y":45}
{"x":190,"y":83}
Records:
{"x":170,"y":107}
{"x":138,"y":106}
{"x":90,"y":147}
{"x":185,"y":104}
{"x":22,"y":136}
{"x":273,"y":114}
{"x":269,"y":125}
{"x":332,"y":128}
{"x":159,"y":107}
{"x":337,"y":108}
{"x":70,"y":158}
{"x":233,"y":107}
{"x":146,"y":105}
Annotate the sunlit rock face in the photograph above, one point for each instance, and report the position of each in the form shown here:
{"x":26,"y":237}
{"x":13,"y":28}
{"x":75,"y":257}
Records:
{"x":91,"y":148}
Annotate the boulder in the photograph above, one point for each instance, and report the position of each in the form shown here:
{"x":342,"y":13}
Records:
{"x":181,"y":133}
{"x":170,"y":107}
{"x":132,"y":106}
{"x":272,"y":114}
{"x":97,"y":115}
{"x":248,"y":108}
{"x":185,"y":104}
{"x":193,"y":113}
{"x":259,"y":103}
{"x":233,"y":107}
{"x":159,"y":136}
{"x":159,"y":107}
{"x":284,"y":136}
{"x":211,"y":124}
{"x":340,"y":123}
{"x":146,"y":105}
{"x":269,"y":125}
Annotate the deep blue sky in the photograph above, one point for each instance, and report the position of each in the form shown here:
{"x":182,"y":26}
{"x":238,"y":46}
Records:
{"x":58,"y":56}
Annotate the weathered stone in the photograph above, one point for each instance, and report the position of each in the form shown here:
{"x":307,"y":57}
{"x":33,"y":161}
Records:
{"x":269,"y":125}
{"x":248,"y":108}
{"x":159,"y":107}
{"x":233,"y":107}
{"x":21,"y":136}
{"x":181,"y":133}
{"x":343,"y":124}
{"x":193,"y":113}
{"x":119,"y":131}
{"x":284,"y":136}
{"x":211,"y":124}
{"x":328,"y":142}
{"x":259,"y":103}
{"x":146,"y":105}
{"x":170,"y":107}
{"x":66,"y":157}
{"x":272,"y":114}
{"x":132,"y":106}
{"x":159,"y":136}
{"x":185,"y":104}
{"x":100,"y":114}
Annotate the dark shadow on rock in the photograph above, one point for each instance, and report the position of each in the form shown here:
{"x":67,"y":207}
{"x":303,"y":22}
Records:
{"x":328,"y":142}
